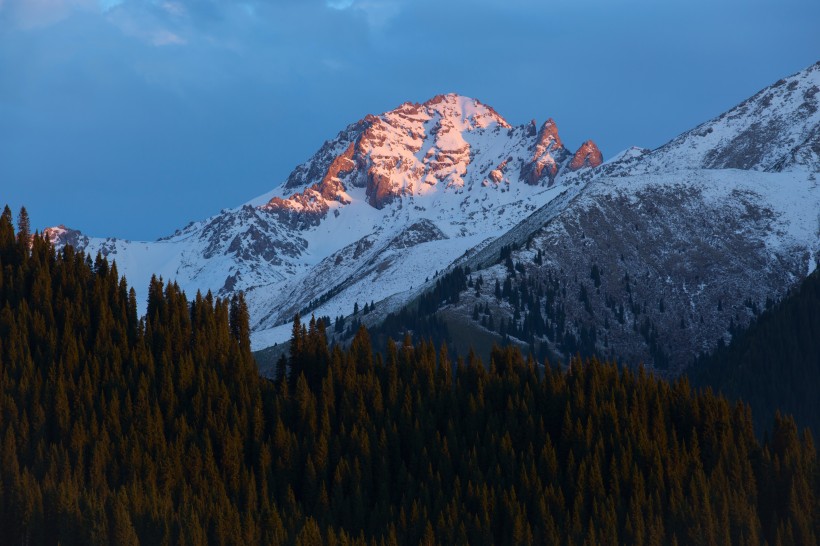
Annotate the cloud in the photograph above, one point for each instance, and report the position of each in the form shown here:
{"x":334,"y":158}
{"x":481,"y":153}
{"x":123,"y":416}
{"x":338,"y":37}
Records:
{"x":177,"y":22}
{"x":380,"y":13}
{"x":377,"y":12}
{"x":29,"y":14}
{"x":157,"y":24}
{"x":176,"y":9}
{"x":106,"y":5}
{"x":166,"y":37}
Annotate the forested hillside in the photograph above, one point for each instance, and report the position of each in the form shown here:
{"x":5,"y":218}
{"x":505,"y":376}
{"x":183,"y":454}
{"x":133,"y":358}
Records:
{"x":157,"y":430}
{"x":775,"y":363}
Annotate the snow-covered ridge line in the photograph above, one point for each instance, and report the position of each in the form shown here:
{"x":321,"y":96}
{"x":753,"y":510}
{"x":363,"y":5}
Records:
{"x":775,"y":130}
{"x":396,"y":197}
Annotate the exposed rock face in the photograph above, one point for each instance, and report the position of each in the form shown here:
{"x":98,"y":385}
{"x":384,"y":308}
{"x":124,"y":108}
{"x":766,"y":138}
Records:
{"x":392,"y":155}
{"x":422,"y":231}
{"x":301,"y":210}
{"x":497,"y":174}
{"x":318,"y":166}
{"x":249,"y":235}
{"x":61,"y":236}
{"x":549,"y":153}
{"x":420,"y":144}
{"x":588,"y":155}
{"x":305,"y":209}
{"x":416,"y":146}
{"x":331,"y":186}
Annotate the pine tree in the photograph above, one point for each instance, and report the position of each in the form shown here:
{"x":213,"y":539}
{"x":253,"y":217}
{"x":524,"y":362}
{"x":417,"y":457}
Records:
{"x":23,"y":227}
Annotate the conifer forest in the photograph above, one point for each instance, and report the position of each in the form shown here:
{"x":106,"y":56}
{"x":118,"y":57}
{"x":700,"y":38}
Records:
{"x":123,"y":429}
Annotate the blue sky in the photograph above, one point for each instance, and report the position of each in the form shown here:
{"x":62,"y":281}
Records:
{"x":130,"y":118}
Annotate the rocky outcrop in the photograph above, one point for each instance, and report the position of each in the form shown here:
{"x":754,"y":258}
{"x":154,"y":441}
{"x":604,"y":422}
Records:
{"x":418,"y":144}
{"x":588,"y":155}
{"x":420,"y":232}
{"x":380,"y":190}
{"x":248,"y":235}
{"x":497,"y":174}
{"x":331,"y":186}
{"x":321,"y":163}
{"x":62,"y":236}
{"x":300,"y":210}
{"x":549,"y":153}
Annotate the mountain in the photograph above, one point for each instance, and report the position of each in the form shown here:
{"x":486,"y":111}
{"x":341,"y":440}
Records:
{"x":664,"y":252}
{"x":652,"y":256}
{"x":372,"y":215}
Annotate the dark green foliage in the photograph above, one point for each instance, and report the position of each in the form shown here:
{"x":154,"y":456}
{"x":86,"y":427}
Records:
{"x":409,"y":445}
{"x":316,"y":302}
{"x":447,"y":290}
{"x":775,"y":363}
{"x":595,"y":275}
{"x":115,"y":430}
{"x":118,"y":430}
{"x":421,"y":316}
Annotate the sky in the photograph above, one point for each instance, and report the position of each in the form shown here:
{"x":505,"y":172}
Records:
{"x":130,"y":118}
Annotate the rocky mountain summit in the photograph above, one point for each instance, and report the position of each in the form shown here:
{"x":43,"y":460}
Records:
{"x":418,"y":148}
{"x":691,"y":237}
{"x":376,"y":211}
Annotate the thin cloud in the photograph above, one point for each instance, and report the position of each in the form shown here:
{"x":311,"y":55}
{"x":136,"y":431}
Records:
{"x":166,"y":37}
{"x":31,"y":14}
{"x":378,"y":13}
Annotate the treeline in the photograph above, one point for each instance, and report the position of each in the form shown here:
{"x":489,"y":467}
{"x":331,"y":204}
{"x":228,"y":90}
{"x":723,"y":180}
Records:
{"x":530,"y":309}
{"x":119,"y":430}
{"x":421,"y":316}
{"x":775,"y":362}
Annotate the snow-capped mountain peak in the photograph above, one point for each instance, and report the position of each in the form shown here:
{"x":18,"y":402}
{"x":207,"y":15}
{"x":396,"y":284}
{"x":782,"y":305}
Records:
{"x":372,"y":215}
{"x":412,"y":150}
{"x":395,"y":198}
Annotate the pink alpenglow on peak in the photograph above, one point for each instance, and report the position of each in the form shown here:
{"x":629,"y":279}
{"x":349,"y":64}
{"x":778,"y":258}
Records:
{"x":62,"y":235}
{"x":549,"y":153}
{"x":403,"y":152}
{"x":448,"y":144}
{"x":588,"y":155}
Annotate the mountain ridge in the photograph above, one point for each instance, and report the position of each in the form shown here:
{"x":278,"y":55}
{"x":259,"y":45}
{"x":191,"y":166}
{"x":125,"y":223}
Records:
{"x":393,"y":199}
